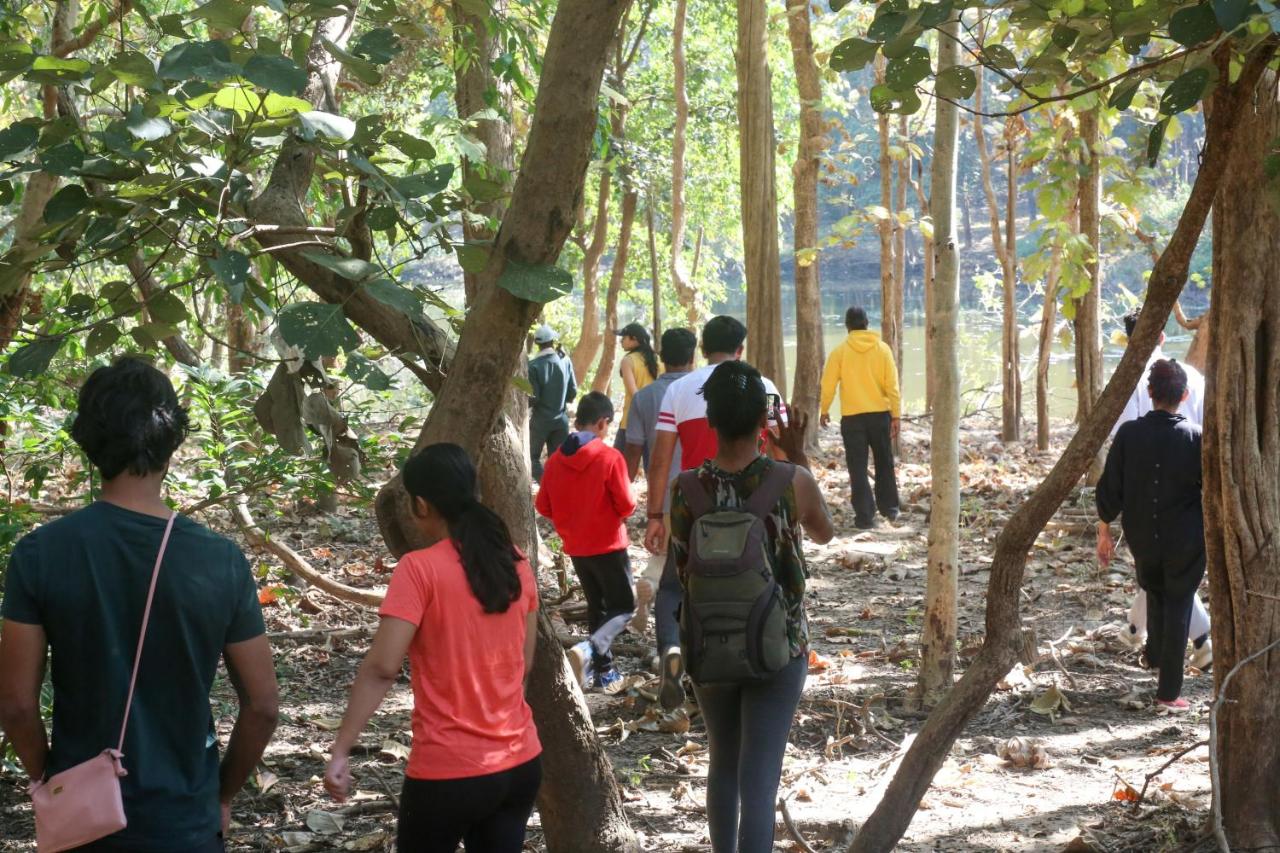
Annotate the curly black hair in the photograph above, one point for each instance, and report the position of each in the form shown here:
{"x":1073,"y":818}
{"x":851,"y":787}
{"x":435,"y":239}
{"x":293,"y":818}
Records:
{"x":129,"y":419}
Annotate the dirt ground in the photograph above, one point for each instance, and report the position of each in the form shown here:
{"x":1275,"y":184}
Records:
{"x":1081,"y":713}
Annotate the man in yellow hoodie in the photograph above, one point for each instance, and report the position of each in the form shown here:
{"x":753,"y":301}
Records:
{"x":870,"y":405}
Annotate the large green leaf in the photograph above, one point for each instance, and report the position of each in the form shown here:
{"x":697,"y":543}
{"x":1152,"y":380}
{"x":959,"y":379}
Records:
{"x":1132,"y":22}
{"x":886,"y":99}
{"x":62,"y":160}
{"x":412,"y":146}
{"x":999,"y":56}
{"x":275,"y":73}
{"x":1155,"y":141}
{"x":474,"y":257}
{"x":57,"y":71}
{"x":362,"y":69}
{"x":317,"y":329}
{"x":165,"y":307}
{"x":853,"y":54}
{"x":1184,"y":92}
{"x":1230,"y":13}
{"x":101,"y":339}
{"x":394,"y":295}
{"x":887,"y":25}
{"x":66,"y":203}
{"x":133,"y":69}
{"x":1122,"y":95}
{"x":209,"y":61}
{"x":1065,"y":36}
{"x":427,"y":183}
{"x":367,"y":373}
{"x":350,"y":268}
{"x":956,"y":83}
{"x":17,"y":138}
{"x":144,"y":127}
{"x":33,"y":359}
{"x":1193,"y":25}
{"x":535,"y":282}
{"x":379,"y":46}
{"x":909,"y":69}
{"x":837,"y":5}
{"x":232,"y":269}
{"x":224,"y":14}
{"x":318,"y":123}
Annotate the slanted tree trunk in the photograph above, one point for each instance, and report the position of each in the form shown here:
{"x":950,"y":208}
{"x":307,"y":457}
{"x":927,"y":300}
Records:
{"x":759,"y":191}
{"x":891,"y":817}
{"x":617,"y":276}
{"x":1242,"y":478}
{"x":1087,"y":321}
{"x":807,"y":391}
{"x":1011,"y":360}
{"x":938,"y":640}
{"x":889,"y":329}
{"x":681,"y":279}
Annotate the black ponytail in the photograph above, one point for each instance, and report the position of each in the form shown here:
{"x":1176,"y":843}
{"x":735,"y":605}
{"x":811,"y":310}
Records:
{"x":650,"y":357}
{"x":736,"y":399}
{"x":444,"y":476}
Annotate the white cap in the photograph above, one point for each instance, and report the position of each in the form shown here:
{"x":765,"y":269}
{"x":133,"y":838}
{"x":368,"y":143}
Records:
{"x":544,"y":335}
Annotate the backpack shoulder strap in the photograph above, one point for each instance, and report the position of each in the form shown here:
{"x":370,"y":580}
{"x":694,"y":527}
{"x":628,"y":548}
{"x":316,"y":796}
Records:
{"x":695,"y":495}
{"x":771,"y":489}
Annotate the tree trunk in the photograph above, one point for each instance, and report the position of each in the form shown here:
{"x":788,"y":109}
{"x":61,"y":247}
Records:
{"x":891,"y":817}
{"x":583,"y":354}
{"x":1242,"y":479}
{"x":1087,"y":321}
{"x":1011,"y":377}
{"x":900,"y":243}
{"x":889,"y":330}
{"x":938,"y":641}
{"x":617,"y":276}
{"x":686,"y":291}
{"x":1198,"y":351}
{"x":654,"y":282}
{"x":967,"y":219}
{"x":1048,"y":319}
{"x":759,"y":190}
{"x":930,"y":381}
{"x":807,"y":391}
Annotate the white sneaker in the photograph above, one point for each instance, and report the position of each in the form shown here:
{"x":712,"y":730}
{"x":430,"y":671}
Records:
{"x":1202,"y":658}
{"x":1132,"y":637}
{"x":580,"y":660}
{"x":644,"y":598}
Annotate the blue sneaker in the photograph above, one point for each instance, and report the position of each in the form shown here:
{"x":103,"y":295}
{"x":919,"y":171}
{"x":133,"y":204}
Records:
{"x":608,"y":678}
{"x":580,"y":659}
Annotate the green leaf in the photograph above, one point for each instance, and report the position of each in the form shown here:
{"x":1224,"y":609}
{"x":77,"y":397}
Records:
{"x":33,"y":359}
{"x":886,"y":25}
{"x":382,"y":218}
{"x":101,"y":339}
{"x":1193,"y":25}
{"x":350,"y":268}
{"x":474,"y":257}
{"x":1132,"y":22}
{"x":361,"y":69}
{"x":1065,"y":36}
{"x":119,"y":295}
{"x":62,"y":160}
{"x":999,"y":56}
{"x":276,"y":106}
{"x":275,"y":73}
{"x":1230,"y":13}
{"x":171,"y":25}
{"x":412,"y":146}
{"x":476,"y":8}
{"x":1134,"y":45}
{"x":242,"y":99}
{"x":367,"y":373}
{"x":17,"y":138}
{"x":165,"y":307}
{"x":852,"y":54}
{"x":394,"y":295}
{"x":15,"y":57}
{"x":317,"y":329}
{"x":837,"y":5}
{"x":65,"y":204}
{"x":79,"y":306}
{"x":146,"y":128}
{"x":909,"y":69}
{"x":224,"y":14}
{"x":956,"y":83}
{"x":535,"y":282}
{"x":231,"y":267}
{"x":209,"y":61}
{"x":426,"y":183}
{"x":6,"y":192}
{"x":56,"y":71}
{"x":1155,"y":141}
{"x":482,"y":189}
{"x":133,"y":69}
{"x":1122,"y":95}
{"x":885,"y":99}
{"x":379,"y":46}
{"x":328,"y":125}
{"x":1184,"y":92}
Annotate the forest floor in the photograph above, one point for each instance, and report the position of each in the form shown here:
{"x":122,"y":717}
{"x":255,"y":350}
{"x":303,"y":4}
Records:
{"x":1081,"y":712}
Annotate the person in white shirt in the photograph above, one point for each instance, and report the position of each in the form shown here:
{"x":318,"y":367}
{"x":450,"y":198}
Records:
{"x":1193,"y":410}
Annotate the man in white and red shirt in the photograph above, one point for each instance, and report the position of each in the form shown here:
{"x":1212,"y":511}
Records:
{"x":683,"y":419}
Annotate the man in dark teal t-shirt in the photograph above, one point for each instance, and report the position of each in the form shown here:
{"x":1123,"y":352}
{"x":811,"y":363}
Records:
{"x":78,"y":586}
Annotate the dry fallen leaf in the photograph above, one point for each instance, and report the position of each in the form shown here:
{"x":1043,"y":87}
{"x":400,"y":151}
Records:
{"x":372,"y":841}
{"x":1125,"y":792}
{"x":394,"y":749}
{"x":264,"y":779}
{"x":1024,"y":752}
{"x":325,"y":823}
{"x":1051,"y":702}
{"x":328,"y":724}
{"x":817,"y":662}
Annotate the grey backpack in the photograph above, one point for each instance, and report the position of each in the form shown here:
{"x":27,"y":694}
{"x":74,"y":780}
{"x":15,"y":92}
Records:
{"x":733,"y":618}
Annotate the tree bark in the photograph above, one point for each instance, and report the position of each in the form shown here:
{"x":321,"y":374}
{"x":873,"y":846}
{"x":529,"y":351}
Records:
{"x":759,"y":191}
{"x":584,"y":352}
{"x":1048,"y":319}
{"x":891,"y":817}
{"x":890,"y":332}
{"x":654,"y":281}
{"x":1242,"y":478}
{"x":1087,"y":321}
{"x":617,"y":276}
{"x":900,"y":243}
{"x":807,"y":391}
{"x":1011,"y":377}
{"x":681,"y":279}
{"x":930,"y":381}
{"x":938,"y":641}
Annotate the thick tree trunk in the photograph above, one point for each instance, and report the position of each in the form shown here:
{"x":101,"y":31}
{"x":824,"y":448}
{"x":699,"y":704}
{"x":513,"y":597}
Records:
{"x":1048,"y":319}
{"x":893,"y":814}
{"x":583,"y":354}
{"x":617,"y":276}
{"x":938,"y":640}
{"x":1087,"y":321}
{"x":26,"y":245}
{"x":1198,"y":351}
{"x":807,"y":390}
{"x":1011,"y":377}
{"x":900,"y":243}
{"x":681,"y":279}
{"x":759,"y":191}
{"x":654,"y":281}
{"x":930,"y":381}
{"x":890,"y":332}
{"x":1242,"y":479}
{"x":966,"y":212}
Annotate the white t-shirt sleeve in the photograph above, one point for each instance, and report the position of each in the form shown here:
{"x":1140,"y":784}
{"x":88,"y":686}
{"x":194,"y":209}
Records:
{"x":667,"y":411}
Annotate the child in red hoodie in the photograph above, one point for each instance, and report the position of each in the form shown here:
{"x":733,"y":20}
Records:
{"x":587,"y":495}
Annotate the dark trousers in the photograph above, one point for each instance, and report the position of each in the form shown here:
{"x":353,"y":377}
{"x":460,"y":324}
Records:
{"x":860,"y":433}
{"x":1171,"y":586}
{"x":747,"y":730}
{"x":213,"y":845}
{"x":611,"y":602}
{"x":488,"y":814}
{"x":548,"y":434}
{"x":666,"y":608}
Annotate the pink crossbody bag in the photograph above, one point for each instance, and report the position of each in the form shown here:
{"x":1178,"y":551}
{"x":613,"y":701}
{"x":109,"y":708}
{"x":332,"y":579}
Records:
{"x":83,"y":803}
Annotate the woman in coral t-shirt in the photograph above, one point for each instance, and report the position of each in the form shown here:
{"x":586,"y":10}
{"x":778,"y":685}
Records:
{"x":464,"y":611}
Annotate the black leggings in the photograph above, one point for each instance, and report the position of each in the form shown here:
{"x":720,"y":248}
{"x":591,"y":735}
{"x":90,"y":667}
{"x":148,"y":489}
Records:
{"x":487,"y":814}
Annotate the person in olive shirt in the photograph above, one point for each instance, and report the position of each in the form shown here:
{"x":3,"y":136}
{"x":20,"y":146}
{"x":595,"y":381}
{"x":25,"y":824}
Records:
{"x":554,"y":387}
{"x":1153,"y":476}
{"x":78,"y":586}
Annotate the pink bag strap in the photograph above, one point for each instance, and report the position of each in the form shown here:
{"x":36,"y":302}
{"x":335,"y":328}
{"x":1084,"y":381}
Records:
{"x":146,"y":617}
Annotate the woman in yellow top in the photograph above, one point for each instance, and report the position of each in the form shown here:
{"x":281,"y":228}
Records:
{"x":639,"y":368}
